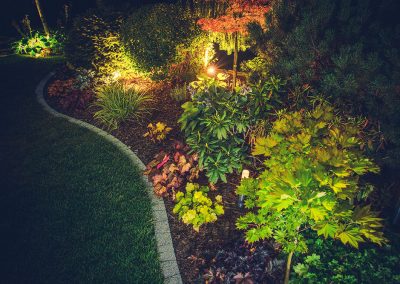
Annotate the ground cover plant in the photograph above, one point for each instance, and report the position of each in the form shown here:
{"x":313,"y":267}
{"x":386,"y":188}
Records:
{"x":328,"y":260}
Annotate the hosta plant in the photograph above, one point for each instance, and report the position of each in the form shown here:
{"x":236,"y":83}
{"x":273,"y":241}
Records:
{"x":118,"y":104}
{"x":170,"y":171}
{"x":313,"y":165}
{"x":157,"y":132}
{"x":39,"y":45}
{"x":195,"y":208}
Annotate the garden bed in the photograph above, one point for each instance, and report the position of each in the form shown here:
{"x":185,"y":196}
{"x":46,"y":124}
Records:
{"x":195,"y":251}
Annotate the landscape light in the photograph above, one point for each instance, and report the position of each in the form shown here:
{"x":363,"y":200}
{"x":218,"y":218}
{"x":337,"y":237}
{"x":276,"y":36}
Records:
{"x":211,"y":70}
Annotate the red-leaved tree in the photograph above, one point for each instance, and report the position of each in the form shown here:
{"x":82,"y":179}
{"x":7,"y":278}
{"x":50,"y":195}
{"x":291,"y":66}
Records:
{"x":239,"y":14}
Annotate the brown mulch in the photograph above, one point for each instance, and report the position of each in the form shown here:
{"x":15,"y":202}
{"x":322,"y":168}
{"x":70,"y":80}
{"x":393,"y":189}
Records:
{"x":188,"y":244}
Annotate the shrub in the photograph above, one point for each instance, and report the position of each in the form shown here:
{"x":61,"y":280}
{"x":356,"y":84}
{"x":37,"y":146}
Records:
{"x":196,"y":208}
{"x":328,"y":261}
{"x":39,"y":45}
{"x":328,"y":45}
{"x":79,"y":46}
{"x":311,"y":181}
{"x":152,"y":33}
{"x":216,"y":122}
{"x":118,"y":104}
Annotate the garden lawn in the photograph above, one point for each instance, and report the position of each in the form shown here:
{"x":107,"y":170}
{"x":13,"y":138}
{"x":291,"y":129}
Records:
{"x":72,"y":207}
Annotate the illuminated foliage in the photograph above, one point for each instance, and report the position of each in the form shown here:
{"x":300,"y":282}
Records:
{"x":38,"y":45}
{"x":194,"y":207}
{"x":233,"y":25}
{"x":152,"y":34}
{"x":118,"y":104}
{"x":157,"y":132}
{"x":313,"y":164}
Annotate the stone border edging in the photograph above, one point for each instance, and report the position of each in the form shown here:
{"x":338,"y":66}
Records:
{"x":168,"y":263}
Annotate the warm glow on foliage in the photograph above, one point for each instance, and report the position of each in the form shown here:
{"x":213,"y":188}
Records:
{"x":211,"y":70}
{"x":238,"y":15}
{"x":208,"y":55}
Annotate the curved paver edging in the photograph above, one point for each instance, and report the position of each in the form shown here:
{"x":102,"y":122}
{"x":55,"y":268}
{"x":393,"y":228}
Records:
{"x":165,"y":247}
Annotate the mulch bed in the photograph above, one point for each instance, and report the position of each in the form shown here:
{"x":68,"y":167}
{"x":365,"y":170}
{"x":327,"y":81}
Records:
{"x":191,"y":248}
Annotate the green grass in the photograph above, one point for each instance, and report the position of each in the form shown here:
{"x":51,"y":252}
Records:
{"x":72,"y":208}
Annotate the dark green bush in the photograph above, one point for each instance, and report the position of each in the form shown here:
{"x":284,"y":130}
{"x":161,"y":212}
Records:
{"x":346,"y":50}
{"x":329,"y":261}
{"x":217,"y":122}
{"x":80,"y":47}
{"x":152,"y":34}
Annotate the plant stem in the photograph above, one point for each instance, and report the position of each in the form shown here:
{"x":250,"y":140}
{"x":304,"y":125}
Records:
{"x":235,"y":60}
{"x":288,"y":265}
{"x":44,"y":23}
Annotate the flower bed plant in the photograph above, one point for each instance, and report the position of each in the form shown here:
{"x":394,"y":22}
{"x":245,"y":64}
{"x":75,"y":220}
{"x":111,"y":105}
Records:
{"x":40,"y":45}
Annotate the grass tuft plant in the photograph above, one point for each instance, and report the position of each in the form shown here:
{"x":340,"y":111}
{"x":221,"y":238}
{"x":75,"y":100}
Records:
{"x":119,"y":104}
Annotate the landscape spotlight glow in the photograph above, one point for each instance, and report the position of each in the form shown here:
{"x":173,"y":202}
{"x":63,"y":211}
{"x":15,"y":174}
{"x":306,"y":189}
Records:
{"x":211,"y":70}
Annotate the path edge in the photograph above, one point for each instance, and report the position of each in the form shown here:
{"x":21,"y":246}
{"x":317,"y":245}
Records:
{"x":165,"y":248}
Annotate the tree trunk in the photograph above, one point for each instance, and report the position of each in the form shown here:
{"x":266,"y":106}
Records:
{"x":44,"y":23}
{"x":235,"y":60}
{"x":288,"y":265}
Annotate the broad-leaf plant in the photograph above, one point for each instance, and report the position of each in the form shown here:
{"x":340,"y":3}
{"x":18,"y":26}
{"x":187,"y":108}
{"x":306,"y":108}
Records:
{"x":311,"y":181}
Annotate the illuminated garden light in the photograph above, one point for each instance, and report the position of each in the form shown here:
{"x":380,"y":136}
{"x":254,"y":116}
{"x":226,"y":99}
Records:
{"x":211,"y":70}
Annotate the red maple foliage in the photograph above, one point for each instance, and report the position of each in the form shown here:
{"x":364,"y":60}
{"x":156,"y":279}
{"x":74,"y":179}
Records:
{"x":237,"y":17}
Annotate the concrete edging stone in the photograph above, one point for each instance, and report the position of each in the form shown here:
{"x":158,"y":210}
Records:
{"x":165,"y":247}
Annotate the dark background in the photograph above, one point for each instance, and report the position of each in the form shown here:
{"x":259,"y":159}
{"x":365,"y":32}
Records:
{"x":53,"y":10}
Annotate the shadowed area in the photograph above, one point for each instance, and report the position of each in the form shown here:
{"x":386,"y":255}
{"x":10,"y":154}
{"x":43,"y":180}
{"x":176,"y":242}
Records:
{"x":72,"y":208}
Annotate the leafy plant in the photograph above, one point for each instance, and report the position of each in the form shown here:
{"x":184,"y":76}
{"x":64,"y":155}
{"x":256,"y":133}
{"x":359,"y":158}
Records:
{"x":349,"y":67}
{"x":157,"y":132}
{"x":215,"y":124}
{"x":118,"y":104}
{"x":329,"y":261}
{"x":169,"y":171}
{"x":180,"y":93}
{"x":259,"y":264}
{"x":194,"y":207}
{"x":38,"y":45}
{"x":313,"y":164}
{"x":69,"y":95}
{"x":153,"y":32}
{"x":79,"y":46}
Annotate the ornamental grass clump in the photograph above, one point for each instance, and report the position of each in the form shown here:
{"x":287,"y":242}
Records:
{"x":118,"y":104}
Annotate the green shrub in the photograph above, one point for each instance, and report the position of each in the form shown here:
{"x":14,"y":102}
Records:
{"x":79,"y":46}
{"x":118,"y":104}
{"x":216,"y":121}
{"x":328,"y":261}
{"x":346,"y":50}
{"x":152,"y":34}
{"x":40,"y":45}
{"x":195,"y":207}
{"x":311,"y":181}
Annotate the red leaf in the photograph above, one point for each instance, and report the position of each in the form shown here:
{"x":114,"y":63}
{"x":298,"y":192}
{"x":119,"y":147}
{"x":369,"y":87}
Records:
{"x":164,"y":161}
